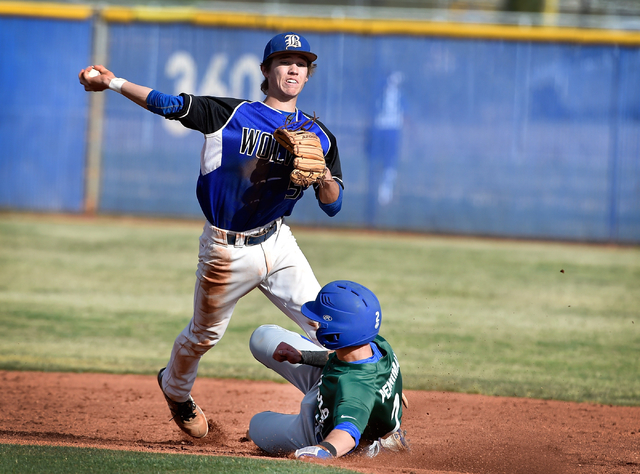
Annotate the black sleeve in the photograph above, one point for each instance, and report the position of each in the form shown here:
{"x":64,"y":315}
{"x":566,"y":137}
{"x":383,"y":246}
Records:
{"x":333,"y":156}
{"x":205,"y":114}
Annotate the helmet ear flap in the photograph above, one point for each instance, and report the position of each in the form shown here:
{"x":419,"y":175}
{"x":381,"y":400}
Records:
{"x":332,"y":338}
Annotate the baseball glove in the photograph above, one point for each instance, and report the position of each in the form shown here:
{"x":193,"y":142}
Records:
{"x":309,"y":165}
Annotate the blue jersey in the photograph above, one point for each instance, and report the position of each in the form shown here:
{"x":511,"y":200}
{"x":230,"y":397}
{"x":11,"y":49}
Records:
{"x":244,"y":173}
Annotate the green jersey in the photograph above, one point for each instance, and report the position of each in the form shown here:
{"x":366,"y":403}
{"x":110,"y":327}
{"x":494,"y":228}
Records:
{"x":368,"y":395}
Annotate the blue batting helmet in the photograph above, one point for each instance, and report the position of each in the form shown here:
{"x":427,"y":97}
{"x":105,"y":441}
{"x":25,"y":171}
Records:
{"x":348,"y":313}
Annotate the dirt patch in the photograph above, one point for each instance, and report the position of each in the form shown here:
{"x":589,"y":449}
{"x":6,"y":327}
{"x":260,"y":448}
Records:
{"x":448,"y":432}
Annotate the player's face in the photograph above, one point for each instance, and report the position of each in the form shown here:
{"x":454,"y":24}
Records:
{"x":288,"y":75}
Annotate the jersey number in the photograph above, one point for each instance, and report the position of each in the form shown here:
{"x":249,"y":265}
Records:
{"x":395,"y":413}
{"x":294,"y":191}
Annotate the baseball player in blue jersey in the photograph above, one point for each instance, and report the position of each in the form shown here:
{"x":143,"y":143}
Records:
{"x":245,"y":191}
{"x":352,"y":395}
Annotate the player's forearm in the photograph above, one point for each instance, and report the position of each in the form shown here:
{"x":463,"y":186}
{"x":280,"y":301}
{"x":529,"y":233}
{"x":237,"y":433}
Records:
{"x":341,"y":441}
{"x":330,"y":197}
{"x":336,"y":444}
{"x":329,"y":191}
{"x":98,"y":78}
{"x":135,"y":93}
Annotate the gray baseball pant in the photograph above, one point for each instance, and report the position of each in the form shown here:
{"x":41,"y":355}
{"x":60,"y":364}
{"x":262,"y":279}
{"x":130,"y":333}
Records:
{"x":279,"y":433}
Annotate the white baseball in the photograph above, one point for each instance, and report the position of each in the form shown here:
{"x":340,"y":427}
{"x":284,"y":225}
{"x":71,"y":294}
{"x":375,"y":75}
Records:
{"x":94,"y":73}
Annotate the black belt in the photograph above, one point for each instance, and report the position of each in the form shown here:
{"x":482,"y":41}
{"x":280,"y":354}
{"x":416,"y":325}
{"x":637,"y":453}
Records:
{"x":252,"y":239}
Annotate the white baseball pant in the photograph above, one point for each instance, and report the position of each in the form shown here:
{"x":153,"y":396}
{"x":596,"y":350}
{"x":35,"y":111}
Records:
{"x":225,"y":274}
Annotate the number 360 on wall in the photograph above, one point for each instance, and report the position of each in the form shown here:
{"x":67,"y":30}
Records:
{"x":241,"y":79}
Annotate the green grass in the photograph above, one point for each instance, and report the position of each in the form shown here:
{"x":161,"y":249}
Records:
{"x":65,"y":460}
{"x":469,"y":315}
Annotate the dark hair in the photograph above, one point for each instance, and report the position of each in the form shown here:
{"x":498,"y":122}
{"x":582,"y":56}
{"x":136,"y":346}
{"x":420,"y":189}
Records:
{"x":264,"y":87}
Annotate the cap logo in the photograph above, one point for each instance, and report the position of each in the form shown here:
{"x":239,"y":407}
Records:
{"x":292,"y":41}
{"x":326,"y":317}
{"x":377,"y":320}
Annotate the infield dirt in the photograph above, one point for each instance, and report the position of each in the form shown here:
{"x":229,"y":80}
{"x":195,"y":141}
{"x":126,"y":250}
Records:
{"x":448,"y":432}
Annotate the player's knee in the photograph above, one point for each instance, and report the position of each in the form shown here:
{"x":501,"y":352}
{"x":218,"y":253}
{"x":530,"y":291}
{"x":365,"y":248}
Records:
{"x":260,"y":339}
{"x":251,"y":432}
{"x":256,"y":430}
{"x":262,"y":432}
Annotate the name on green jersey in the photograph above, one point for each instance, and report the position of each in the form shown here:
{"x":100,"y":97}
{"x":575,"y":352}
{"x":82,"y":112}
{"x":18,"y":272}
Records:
{"x":387,"y":389}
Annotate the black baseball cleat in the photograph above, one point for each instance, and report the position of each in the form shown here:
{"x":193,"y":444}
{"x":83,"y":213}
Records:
{"x":187,"y":415}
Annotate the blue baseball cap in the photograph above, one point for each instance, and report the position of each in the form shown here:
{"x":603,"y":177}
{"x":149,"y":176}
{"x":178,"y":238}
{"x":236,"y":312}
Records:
{"x":289,"y":42}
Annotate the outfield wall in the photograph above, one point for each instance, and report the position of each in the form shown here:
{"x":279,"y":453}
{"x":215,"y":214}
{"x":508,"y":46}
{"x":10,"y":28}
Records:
{"x":44,"y":114}
{"x":465,"y":129}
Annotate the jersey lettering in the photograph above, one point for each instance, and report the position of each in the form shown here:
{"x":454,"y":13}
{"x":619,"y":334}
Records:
{"x":249,"y":141}
{"x":282,"y":156}
{"x":321,"y":415}
{"x":265,"y":149}
{"x":387,"y":389}
{"x":324,"y":412}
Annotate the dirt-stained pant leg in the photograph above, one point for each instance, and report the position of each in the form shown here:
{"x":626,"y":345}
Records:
{"x":277,"y":432}
{"x":290,"y":281}
{"x":225,"y":274}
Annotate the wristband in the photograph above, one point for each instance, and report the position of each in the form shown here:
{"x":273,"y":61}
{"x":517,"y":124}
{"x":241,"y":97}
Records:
{"x":116,"y":84}
{"x":314,"y":358}
{"x":329,"y":447}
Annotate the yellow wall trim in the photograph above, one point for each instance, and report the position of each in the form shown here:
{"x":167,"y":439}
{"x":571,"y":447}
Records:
{"x":46,"y":10}
{"x":118,"y":14}
{"x":372,"y":27}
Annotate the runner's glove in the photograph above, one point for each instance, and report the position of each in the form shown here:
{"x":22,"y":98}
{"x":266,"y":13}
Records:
{"x":313,"y":452}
